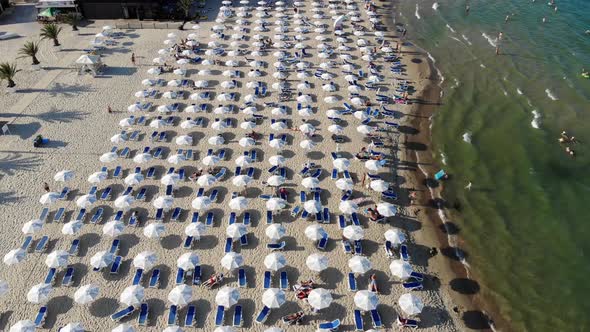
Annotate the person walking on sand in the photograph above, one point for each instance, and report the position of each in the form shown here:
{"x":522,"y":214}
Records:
{"x":46,"y":186}
{"x":133,"y":58}
{"x":109,"y":109}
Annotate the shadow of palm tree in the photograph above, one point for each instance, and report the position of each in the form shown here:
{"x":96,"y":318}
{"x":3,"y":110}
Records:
{"x":15,"y":161}
{"x":60,"y":116}
{"x":9,"y":197}
{"x":65,"y":90}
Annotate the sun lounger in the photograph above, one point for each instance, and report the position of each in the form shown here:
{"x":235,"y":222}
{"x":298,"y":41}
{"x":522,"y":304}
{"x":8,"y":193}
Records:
{"x":276,"y":246}
{"x":213,"y":195}
{"x":158,"y":153}
{"x":151,"y":173}
{"x":125,"y":152}
{"x":180,"y":273}
{"x":414,"y":285}
{"x":142,"y":319}
{"x":137,"y":277}
{"x":119,"y":215}
{"x":115,"y":246}
{"x":172,"y":315}
{"x":269,"y":217}
{"x":342,"y":222}
{"x":389,"y":195}
{"x":416,"y":276}
{"x":403,"y":251}
{"x":64,"y":193}
{"x":188,"y":242}
{"x":197,"y":275}
{"x":219,"y":315}
{"x":352,"y":282}
{"x":284,"y":281}
{"x":176,"y":214}
{"x":330,"y":326}
{"x":302,"y":196}
{"x":27,"y":243}
{"x":346,"y":195}
{"x":263,"y":315}
{"x":117,"y":172}
{"x":116,"y":265}
{"x":50,"y":277}
{"x":59,"y":214}
{"x":358,"y":247}
{"x":117,"y":316}
{"x":246,"y":219}
{"x":97,"y":216}
{"x":405,"y":322}
{"x":141,"y":194}
{"x":317,"y":173}
{"x":267,"y":279}
{"x":190,"y":316}
{"x":355,"y":219}
{"x":159,"y":215}
{"x":195,"y":217}
{"x":210,"y":219}
{"x":358,"y":320}
{"x":232,"y":218}
{"x":326,"y":215}
{"x":81,"y":215}
{"x":181,"y":174}
{"x":40,"y":318}
{"x":42,"y":244}
{"x":376,"y":318}
{"x":389,"y":249}
{"x":228,"y":245}
{"x":68,"y":276}
{"x":323,"y":242}
{"x":106,"y":193}
{"x":189,"y":154}
{"x":304,"y":214}
{"x":295,"y":211}
{"x":238,"y":320}
{"x":250,"y":171}
{"x":242,"y":281}
{"x":244,"y":240}
{"x":346,"y":246}
{"x":44,"y":213}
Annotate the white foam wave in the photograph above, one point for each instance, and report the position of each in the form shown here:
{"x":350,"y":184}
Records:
{"x":438,"y":72}
{"x":435,"y":6}
{"x":536,"y":119}
{"x":457,"y":39}
{"x":466,"y":39}
{"x":450,"y":28}
{"x":456,"y":83}
{"x":491,"y":41}
{"x":482,"y":65}
{"x":467,"y":137}
{"x":550,"y":94}
{"x":417,"y":13}
{"x":505,"y":92}
{"x":519,"y":91}
{"x":443,"y":157}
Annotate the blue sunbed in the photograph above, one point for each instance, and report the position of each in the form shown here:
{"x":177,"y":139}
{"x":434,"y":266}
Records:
{"x":267,"y":279}
{"x":228,"y":245}
{"x":50,"y":278}
{"x":331,"y":326}
{"x":68,"y":277}
{"x":237,"y":321}
{"x":143,"y":315}
{"x":180,"y":276}
{"x":117,"y":316}
{"x":358,"y":320}
{"x":116,"y":265}
{"x":137,"y":277}
{"x":172,"y":315}
{"x":352,"y":282}
{"x":219,"y":315}
{"x":377,"y":323}
{"x":40,"y":317}
{"x":242,"y":281}
{"x":42,"y":244}
{"x":190,"y":316}
{"x":284,"y":281}
{"x":263,"y":315}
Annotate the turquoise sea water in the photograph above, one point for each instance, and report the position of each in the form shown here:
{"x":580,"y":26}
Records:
{"x":525,"y":223}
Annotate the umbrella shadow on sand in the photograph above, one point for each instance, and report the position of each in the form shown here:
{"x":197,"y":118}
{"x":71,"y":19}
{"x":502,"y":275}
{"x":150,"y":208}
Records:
{"x":103,"y":307}
{"x":58,"y":305}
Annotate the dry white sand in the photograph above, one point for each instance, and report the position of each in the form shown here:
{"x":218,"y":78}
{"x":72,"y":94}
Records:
{"x":70,"y":110}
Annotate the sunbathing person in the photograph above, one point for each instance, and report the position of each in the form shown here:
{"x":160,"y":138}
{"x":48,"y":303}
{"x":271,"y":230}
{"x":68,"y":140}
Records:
{"x":295,"y":318}
{"x":373,"y":284}
{"x":303,"y":294}
{"x":374,"y":215}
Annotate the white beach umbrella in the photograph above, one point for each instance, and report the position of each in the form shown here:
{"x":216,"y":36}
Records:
{"x":132,"y":295}
{"x":335,"y":129}
{"x":232,"y":63}
{"x":202,"y":84}
{"x":219,"y":125}
{"x":170,"y":179}
{"x":23,"y":326}
{"x":163,"y":202}
{"x":248,"y":125}
{"x":357,"y":101}
{"x":317,"y":262}
{"x":277,"y":160}
{"x":361,"y":115}
{"x":366,"y":300}
{"x":182,"y":61}
{"x":410,"y":304}
{"x":319,"y":298}
{"x":39,"y":293}
{"x":170,"y":95}
{"x":204,"y":72}
{"x":133,"y":179}
{"x":176,"y":159}
{"x":350,"y":77}
{"x":49,"y":198}
{"x":201,"y":203}
{"x":154,"y":230}
{"x":304,"y":99}
{"x":228,"y":84}
{"x":401,"y":269}
{"x":180,"y":295}
{"x":395,"y":236}
{"x":188,"y":124}
{"x":279,"y":75}
{"x":238,"y":203}
{"x":232,"y":260}
{"x":275,"y":204}
{"x":184,"y":140}
{"x":97,"y":177}
{"x":64,"y":176}
{"x":354,"y":89}
{"x":274,"y":329}
{"x":210,"y":160}
{"x":353,"y":232}
{"x":275,"y":180}
{"x":310,"y":182}
{"x":199,"y":96}
{"x":307,"y":144}
{"x":250,"y":110}
{"x":275,"y":232}
{"x":307,"y":128}
{"x":195,"y":229}
{"x":113,"y":228}
{"x":206,"y":180}
{"x":303,"y":86}
{"x":196,"y":27}
{"x":246,"y":142}
{"x":315,"y":232}
{"x":278,"y":111}
{"x":86,"y":294}
{"x":154,"y":71}
{"x":159,"y":61}
{"x":145,"y":260}
{"x":101,"y":259}
{"x":188,"y":261}
{"x":124,"y":202}
{"x":373,"y":165}
{"x":243,"y":161}
{"x":158,"y":123}
{"x":123,"y":328}
{"x":273,"y":298}
{"x":227,"y":296}
{"x":387,"y":209}
{"x":57,"y":258}
{"x":174,"y":83}
{"x":32,"y":226}
{"x":344,"y":184}
{"x":217,"y":139}
{"x":312,"y":206}
{"x":72,"y":327}
{"x":303,"y":75}
{"x":348,"y":207}
{"x":278,"y":126}
{"x":341,"y":164}
{"x":14,"y":256}
{"x":379,"y":185}
{"x":127,"y":122}
{"x":359,"y":264}
{"x":241,"y":180}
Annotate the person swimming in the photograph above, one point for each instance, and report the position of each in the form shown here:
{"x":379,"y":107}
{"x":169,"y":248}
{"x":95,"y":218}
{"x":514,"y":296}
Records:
{"x":570,"y":151}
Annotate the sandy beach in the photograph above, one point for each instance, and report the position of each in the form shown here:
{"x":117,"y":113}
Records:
{"x":71,"y":111}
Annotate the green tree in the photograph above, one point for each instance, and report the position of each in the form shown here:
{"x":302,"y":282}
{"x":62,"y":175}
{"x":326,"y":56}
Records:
{"x":51,"y":31}
{"x":72,"y":19}
{"x":7,"y":72}
{"x":30,"y":49}
{"x":185,"y":6}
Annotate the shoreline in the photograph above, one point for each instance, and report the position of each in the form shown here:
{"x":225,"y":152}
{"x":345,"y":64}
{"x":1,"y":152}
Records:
{"x":474,"y":311}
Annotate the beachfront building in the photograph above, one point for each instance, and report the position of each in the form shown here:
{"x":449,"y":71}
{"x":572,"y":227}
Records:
{"x":130,"y":9}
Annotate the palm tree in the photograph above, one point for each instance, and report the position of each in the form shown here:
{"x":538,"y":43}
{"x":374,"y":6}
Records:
{"x":30,"y":48}
{"x":7,"y":72}
{"x":72,"y":19}
{"x":51,"y":31}
{"x":185,"y":6}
